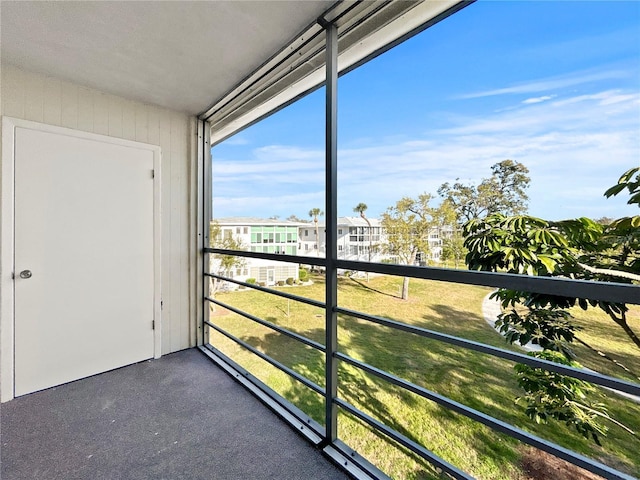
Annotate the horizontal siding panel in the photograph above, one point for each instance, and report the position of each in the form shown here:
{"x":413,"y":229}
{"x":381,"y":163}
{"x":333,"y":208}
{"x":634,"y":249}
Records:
{"x":13,"y":87}
{"x":34,"y":102}
{"x":154,"y":126}
{"x":101,"y":113}
{"x":142,"y":124}
{"x":53,"y":101}
{"x":115,"y":116}
{"x":168,"y":267}
{"x":85,"y":110}
{"x":69,"y":106}
{"x":129,"y":120}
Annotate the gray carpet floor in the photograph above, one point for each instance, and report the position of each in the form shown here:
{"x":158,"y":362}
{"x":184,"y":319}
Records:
{"x":178,"y":417}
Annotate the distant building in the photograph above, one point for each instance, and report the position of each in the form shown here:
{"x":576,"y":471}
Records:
{"x":436,"y":237}
{"x":355,"y":238}
{"x":261,"y":235}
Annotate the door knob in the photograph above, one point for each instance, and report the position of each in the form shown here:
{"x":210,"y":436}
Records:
{"x":25,"y":274}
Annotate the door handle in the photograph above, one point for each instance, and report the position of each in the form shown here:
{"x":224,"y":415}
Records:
{"x":25,"y":274}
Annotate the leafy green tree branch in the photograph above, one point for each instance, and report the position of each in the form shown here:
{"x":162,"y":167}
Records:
{"x":580,"y":249}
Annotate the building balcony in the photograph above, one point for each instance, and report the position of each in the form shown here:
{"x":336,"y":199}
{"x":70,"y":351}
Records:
{"x":110,"y":111}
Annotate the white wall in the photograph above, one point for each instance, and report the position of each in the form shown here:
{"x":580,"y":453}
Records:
{"x":38,"y":98}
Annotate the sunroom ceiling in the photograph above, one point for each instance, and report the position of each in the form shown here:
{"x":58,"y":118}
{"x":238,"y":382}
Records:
{"x":181,"y":55}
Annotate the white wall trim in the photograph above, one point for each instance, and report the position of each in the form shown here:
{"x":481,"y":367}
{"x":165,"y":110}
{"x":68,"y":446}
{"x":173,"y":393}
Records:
{"x":7,"y":245}
{"x":6,"y":260}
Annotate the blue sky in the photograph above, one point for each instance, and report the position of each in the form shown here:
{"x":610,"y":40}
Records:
{"x":553,"y":85}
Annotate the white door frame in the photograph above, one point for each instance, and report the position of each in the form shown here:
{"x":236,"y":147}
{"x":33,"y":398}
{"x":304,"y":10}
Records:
{"x":7,"y":239}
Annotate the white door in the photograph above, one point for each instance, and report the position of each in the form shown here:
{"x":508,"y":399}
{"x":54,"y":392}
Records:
{"x":84,"y":257}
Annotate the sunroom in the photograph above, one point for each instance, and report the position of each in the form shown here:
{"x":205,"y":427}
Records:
{"x":120,"y":359}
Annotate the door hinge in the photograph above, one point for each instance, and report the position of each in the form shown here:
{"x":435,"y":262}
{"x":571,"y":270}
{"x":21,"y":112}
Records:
{"x":161,"y":304}
{"x":153,"y":324}
{"x":153,"y":174}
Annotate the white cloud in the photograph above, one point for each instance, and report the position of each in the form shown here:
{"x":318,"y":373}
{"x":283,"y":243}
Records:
{"x":267,"y":205}
{"x":538,"y":99}
{"x":551,"y":83}
{"x":575,"y":148}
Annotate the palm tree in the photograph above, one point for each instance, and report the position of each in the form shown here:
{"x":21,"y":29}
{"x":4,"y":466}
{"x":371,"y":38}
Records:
{"x":361,"y":208}
{"x":313,"y":213}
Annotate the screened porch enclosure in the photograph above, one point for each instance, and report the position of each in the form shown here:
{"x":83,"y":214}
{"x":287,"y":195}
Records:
{"x":237,"y":388}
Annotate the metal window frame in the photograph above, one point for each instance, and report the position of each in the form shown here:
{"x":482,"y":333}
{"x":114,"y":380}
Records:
{"x":366,"y":30}
{"x":331,"y":239}
{"x":326,"y":437}
{"x":205,"y":182}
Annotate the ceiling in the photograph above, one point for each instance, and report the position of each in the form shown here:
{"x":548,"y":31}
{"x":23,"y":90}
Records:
{"x":180,"y":55}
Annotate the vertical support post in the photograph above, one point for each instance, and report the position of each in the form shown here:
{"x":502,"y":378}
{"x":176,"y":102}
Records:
{"x":195,"y":202}
{"x":331,"y":250}
{"x":206,"y":222}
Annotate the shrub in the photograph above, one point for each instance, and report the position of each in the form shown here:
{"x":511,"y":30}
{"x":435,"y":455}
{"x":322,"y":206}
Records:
{"x":303,"y":274}
{"x":251,"y":281}
{"x":262,"y":284}
{"x":280,"y":283}
{"x":290,"y":281}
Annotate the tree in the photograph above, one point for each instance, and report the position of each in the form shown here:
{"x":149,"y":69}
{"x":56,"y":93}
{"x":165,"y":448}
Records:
{"x":361,"y":208}
{"x":577,"y":248}
{"x":223,"y":264}
{"x":453,"y":247}
{"x":450,"y":234}
{"x":407,"y":225}
{"x":314,"y":213}
{"x":294,"y":218}
{"x":604,"y":220}
{"x":503,"y":192}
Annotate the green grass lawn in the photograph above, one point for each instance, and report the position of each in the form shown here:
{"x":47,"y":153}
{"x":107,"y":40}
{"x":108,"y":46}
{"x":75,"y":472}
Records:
{"x":480,"y":381}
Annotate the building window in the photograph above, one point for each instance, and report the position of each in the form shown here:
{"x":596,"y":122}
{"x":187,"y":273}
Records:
{"x":306,"y":233}
{"x":245,"y":230}
{"x":339,"y":231}
{"x":340,"y":248}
